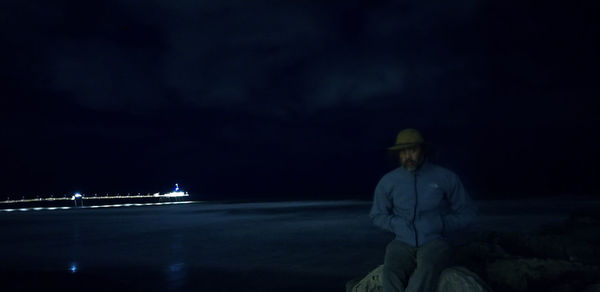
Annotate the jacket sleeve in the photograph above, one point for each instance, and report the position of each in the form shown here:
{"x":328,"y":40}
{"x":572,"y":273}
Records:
{"x":462,"y":210}
{"x":381,"y":212}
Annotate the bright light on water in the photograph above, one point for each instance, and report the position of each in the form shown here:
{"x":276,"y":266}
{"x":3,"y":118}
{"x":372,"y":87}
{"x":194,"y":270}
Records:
{"x":176,"y":267}
{"x":73,"y":268}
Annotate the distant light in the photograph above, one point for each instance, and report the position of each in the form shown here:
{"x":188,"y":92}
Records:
{"x":73,"y":268}
{"x":175,"y":194}
{"x":176,"y":267}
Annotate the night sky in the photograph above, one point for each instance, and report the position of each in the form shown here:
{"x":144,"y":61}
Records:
{"x":295,"y":99}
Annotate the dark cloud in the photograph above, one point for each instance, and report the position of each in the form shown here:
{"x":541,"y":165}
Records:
{"x":286,"y":90}
{"x":103,"y":76}
{"x":236,"y":55}
{"x":309,"y":56}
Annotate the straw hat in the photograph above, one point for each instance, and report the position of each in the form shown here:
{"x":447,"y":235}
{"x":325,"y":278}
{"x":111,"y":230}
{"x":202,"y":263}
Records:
{"x":407,"y":138}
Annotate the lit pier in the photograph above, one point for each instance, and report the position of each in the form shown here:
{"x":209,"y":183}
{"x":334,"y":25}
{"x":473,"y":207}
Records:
{"x":83,"y":201}
{"x":51,"y":199}
{"x":93,"y":207}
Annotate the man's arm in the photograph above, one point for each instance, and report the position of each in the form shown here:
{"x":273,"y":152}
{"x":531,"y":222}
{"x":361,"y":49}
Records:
{"x":462,"y":209}
{"x":381,"y":211}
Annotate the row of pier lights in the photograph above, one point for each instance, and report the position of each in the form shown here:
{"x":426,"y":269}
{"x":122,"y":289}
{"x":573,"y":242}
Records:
{"x":67,"y":197}
{"x":177,"y":196}
{"x":80,"y":197}
{"x":175,"y":193}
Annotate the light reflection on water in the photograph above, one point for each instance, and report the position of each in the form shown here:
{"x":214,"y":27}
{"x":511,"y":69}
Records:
{"x":73,"y":268}
{"x":175,"y":268}
{"x":176,"y":242}
{"x":176,"y":276}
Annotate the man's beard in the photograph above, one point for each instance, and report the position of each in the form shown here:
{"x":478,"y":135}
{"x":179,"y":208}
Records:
{"x":410,"y":165}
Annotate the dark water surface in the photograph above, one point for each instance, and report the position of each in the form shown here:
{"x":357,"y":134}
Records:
{"x":201,"y":246}
{"x":280,"y":246}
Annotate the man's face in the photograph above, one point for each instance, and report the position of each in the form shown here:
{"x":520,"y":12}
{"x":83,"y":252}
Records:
{"x":411,"y":158}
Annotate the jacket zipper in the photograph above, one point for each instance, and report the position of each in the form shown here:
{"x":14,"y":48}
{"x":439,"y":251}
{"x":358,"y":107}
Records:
{"x":415,"y":213}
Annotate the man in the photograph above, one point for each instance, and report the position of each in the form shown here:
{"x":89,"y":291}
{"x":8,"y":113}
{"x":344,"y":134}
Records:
{"x":421,"y":203}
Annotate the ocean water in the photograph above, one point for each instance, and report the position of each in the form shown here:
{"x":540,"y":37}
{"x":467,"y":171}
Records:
{"x":211,"y":246}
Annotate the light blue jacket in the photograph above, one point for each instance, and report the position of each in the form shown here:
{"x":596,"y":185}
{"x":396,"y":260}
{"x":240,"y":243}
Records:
{"x":421,"y":206}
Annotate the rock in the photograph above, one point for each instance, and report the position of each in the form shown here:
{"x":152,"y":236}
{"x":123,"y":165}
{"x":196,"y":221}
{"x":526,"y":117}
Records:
{"x":452,"y":279}
{"x":370,"y":283}
{"x":559,"y":257}
{"x":475,"y":255}
{"x":350,"y":284}
{"x":543,"y":246}
{"x":552,"y":246}
{"x":584,"y":217}
{"x":592,"y":288}
{"x":581,"y":226}
{"x":461,"y":279}
{"x":531,"y":274}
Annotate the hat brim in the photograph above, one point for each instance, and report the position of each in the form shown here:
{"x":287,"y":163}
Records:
{"x":403,"y":146}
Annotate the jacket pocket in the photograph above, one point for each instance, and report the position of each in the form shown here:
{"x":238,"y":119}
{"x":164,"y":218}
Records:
{"x":400,"y":227}
{"x":433,"y":225}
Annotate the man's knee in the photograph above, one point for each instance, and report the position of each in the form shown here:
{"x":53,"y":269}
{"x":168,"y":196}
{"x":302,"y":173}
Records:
{"x":399,"y":251}
{"x":431,"y":267}
{"x":436,"y":253}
